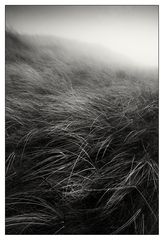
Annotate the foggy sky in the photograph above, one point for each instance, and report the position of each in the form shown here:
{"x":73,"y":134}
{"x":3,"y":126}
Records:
{"x":128,"y":30}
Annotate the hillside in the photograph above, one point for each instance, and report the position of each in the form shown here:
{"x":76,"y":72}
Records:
{"x":74,"y":63}
{"x":81,"y":140}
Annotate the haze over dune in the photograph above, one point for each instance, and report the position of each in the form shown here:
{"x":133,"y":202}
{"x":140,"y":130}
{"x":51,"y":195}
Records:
{"x":131,"y":31}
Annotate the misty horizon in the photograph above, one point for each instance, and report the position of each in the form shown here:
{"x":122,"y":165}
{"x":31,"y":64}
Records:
{"x":130,"y":31}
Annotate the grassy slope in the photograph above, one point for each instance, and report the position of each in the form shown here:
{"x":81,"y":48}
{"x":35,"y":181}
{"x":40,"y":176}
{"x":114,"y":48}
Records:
{"x":81,"y":144}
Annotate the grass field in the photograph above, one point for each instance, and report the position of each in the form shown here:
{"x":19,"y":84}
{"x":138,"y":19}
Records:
{"x":81,"y":140}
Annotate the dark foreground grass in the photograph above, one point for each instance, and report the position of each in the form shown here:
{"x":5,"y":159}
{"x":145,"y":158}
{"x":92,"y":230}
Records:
{"x":79,"y":160}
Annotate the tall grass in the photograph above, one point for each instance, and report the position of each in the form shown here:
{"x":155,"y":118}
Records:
{"x":81,"y":156}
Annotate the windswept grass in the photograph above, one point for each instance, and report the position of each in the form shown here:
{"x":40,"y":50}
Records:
{"x":81,"y":157}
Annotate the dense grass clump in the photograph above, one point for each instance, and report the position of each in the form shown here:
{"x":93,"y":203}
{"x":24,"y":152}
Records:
{"x":81,"y":156}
